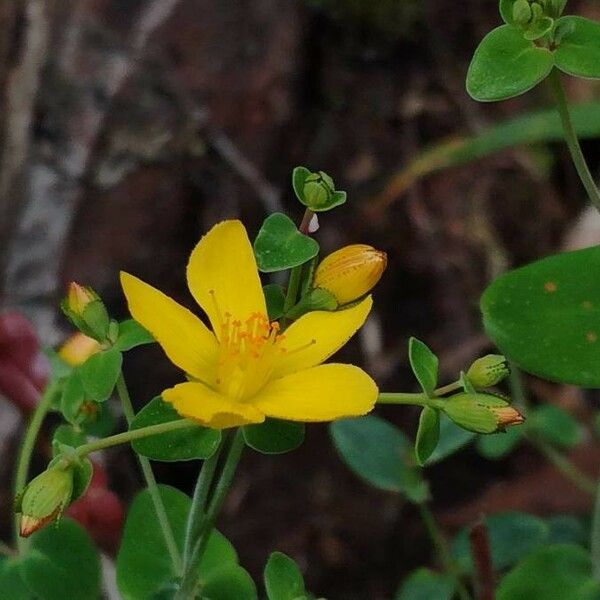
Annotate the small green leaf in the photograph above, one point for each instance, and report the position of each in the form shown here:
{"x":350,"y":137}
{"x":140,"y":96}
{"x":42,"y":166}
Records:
{"x":72,"y":398}
{"x":99,"y":374}
{"x":554,"y":572}
{"x":11,"y":581}
{"x":512,"y":536}
{"x":67,"y":435}
{"x":507,"y":11}
{"x":274,"y":436}
{"x":545,"y":317}
{"x":424,"y":364}
{"x":555,"y":425}
{"x":275,"y":299}
{"x":428,"y":434}
{"x":579,"y":51}
{"x":380,"y":454}
{"x":506,"y":65}
{"x":280,"y":246}
{"x":131,"y":335}
{"x":283,"y":579}
{"x":230,"y":582}
{"x":538,"y":29}
{"x":452,"y":439}
{"x":62,"y":562}
{"x":566,"y":529}
{"x":58,"y":367}
{"x":498,"y":445}
{"x":185,"y":444}
{"x":424,"y":584}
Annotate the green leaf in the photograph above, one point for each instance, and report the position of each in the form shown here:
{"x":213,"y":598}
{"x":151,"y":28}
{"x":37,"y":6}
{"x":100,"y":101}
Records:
{"x":424,"y":584}
{"x":512,"y":535}
{"x":11,"y":581}
{"x":131,"y":335}
{"x":73,"y":396}
{"x":566,"y":529}
{"x":283,"y":579}
{"x":102,"y":423}
{"x":280,"y":246}
{"x":428,"y":434}
{"x":67,"y":435}
{"x":380,"y":454}
{"x":555,"y":572}
{"x":546,"y":317}
{"x":275,"y":299}
{"x":506,"y":65}
{"x":99,"y":374}
{"x":424,"y":364}
{"x":144,"y":567}
{"x":538,"y":29}
{"x":498,"y":445}
{"x":62,"y":562}
{"x":579,"y":51}
{"x":452,"y":439}
{"x":185,"y":444}
{"x":555,"y":425}
{"x":230,"y":582}
{"x":274,"y":436}
{"x":506,"y":11}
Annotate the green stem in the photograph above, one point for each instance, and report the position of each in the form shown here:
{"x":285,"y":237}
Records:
{"x":26,"y":452}
{"x":199,"y":501}
{"x":572,"y":141}
{"x":564,"y":465}
{"x":441,"y":545}
{"x":189,"y":583}
{"x":151,"y":484}
{"x":402,"y":398}
{"x":446,"y":389}
{"x":135,"y":434}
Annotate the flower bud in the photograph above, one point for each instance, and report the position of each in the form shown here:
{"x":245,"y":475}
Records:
{"x":349,"y":273}
{"x":45,"y":498}
{"x":522,"y":12}
{"x":84,"y":308}
{"x":318,"y":189}
{"x":488,"y":371}
{"x":481,"y":413}
{"x":78,"y":348}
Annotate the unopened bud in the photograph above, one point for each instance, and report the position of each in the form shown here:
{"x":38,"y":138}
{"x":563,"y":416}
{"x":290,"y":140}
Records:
{"x":318,"y":189}
{"x":45,"y":498}
{"x":78,"y":348}
{"x":522,"y":12}
{"x":488,"y":371}
{"x":351,"y":272}
{"x":86,"y":311}
{"x":481,"y":413}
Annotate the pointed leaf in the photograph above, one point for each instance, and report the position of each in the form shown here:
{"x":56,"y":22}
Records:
{"x":274,"y":436}
{"x":428,"y":434}
{"x":424,"y":364}
{"x":131,"y":335}
{"x":99,"y":374}
{"x":283,"y":578}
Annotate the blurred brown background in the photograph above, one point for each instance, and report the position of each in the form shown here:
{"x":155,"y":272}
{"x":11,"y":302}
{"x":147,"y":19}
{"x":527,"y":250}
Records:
{"x":129,"y":127}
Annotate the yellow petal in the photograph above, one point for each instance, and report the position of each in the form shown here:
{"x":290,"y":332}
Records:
{"x":185,"y":339}
{"x":198,"y":402}
{"x":223,"y":277}
{"x":323,"y":393}
{"x":315,"y":336}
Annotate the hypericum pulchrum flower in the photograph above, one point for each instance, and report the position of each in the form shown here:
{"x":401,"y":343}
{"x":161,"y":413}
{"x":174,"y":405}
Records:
{"x":350,"y":272}
{"x":244,"y":370}
{"x":44,"y":498}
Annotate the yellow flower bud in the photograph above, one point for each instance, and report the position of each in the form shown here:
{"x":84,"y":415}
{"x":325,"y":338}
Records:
{"x":78,"y":348}
{"x":349,"y":273}
{"x":78,"y":297}
{"x":488,"y":371}
{"x":45,"y":498}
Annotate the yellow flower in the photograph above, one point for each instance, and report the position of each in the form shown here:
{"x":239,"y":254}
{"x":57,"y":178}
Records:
{"x":245,"y":370}
{"x":78,"y":348}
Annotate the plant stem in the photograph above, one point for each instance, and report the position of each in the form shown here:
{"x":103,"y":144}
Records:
{"x":564,"y":465}
{"x":446,"y":389}
{"x":26,"y":452}
{"x":151,"y":484}
{"x":402,"y":398}
{"x":595,"y":541}
{"x":441,"y":545}
{"x":191,"y":575}
{"x":199,"y":501}
{"x":572,"y":141}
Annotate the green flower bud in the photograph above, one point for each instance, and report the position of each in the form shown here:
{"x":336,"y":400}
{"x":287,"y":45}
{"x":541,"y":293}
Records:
{"x":522,"y":12}
{"x":488,"y":371}
{"x":45,"y":498}
{"x":318,"y":189}
{"x":481,"y":413}
{"x":84,"y":308}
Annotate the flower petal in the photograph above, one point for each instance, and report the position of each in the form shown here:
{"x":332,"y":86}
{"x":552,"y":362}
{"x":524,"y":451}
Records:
{"x":185,"y":339}
{"x":223,"y":277}
{"x":323,"y":393}
{"x":315,"y":336}
{"x":198,"y":402}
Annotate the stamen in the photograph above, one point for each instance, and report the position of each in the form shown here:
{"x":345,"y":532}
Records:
{"x":300,"y":348}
